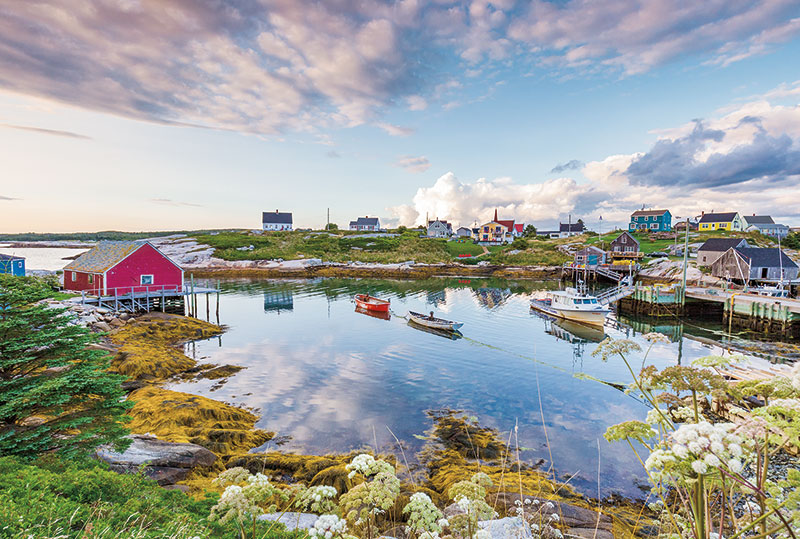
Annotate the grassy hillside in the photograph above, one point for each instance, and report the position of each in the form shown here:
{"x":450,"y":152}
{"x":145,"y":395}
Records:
{"x":353,"y":247}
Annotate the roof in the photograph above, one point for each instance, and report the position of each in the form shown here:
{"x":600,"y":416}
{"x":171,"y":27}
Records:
{"x":104,"y":255}
{"x":648,"y":213}
{"x":767,"y":225}
{"x":365,"y":221}
{"x":465,"y":228}
{"x":519,"y":227}
{"x":11,"y":257}
{"x":278,"y":217}
{"x":439,"y":221}
{"x":718,"y":217}
{"x":574,"y":227}
{"x":625,"y":233}
{"x":508,"y":223}
{"x":590,"y":248}
{"x":721,"y":244}
{"x":759,"y":220}
{"x":766,"y":258}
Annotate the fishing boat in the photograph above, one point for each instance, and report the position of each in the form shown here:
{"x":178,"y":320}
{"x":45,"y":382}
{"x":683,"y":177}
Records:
{"x":429,"y":321}
{"x":574,"y":304}
{"x":371,"y":303}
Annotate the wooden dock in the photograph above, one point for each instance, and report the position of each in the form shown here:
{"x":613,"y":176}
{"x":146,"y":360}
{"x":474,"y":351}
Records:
{"x":151,"y":297}
{"x":742,"y":310}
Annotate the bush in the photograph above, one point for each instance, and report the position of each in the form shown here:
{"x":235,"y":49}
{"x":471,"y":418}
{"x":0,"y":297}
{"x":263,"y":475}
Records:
{"x":82,"y":498}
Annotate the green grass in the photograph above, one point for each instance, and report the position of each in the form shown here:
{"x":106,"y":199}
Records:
{"x":358,"y":248}
{"x":55,"y":498}
{"x":647,"y":245}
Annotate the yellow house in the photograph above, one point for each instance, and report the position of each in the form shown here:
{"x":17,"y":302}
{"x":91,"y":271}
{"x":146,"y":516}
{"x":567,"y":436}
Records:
{"x":720,"y":221}
{"x":492,"y":231}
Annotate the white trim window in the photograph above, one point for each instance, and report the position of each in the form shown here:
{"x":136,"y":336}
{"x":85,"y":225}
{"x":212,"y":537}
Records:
{"x":74,"y":276}
{"x":146,"y":279}
{"x":91,"y":278}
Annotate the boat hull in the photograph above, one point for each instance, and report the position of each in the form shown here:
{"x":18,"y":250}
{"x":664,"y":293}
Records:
{"x":370,"y":303}
{"x":436,"y":323}
{"x":595,"y":317}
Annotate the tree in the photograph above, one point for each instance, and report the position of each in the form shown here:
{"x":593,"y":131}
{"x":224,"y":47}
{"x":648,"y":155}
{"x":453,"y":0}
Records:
{"x":56,"y":394}
{"x":529,"y":232}
{"x":331,"y":226}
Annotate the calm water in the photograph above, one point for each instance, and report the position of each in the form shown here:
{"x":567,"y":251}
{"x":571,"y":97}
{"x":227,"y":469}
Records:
{"x":43,"y":258}
{"x":334,"y":379}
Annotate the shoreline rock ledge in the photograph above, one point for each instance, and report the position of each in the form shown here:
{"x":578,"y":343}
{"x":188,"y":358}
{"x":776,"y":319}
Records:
{"x":166,"y":462}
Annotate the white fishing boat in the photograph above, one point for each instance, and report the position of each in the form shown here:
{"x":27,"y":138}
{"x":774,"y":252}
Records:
{"x":574,"y":304}
{"x":429,"y":321}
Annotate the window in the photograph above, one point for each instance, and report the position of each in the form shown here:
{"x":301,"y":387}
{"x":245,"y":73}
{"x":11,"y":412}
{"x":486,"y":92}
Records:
{"x":145,"y":279}
{"x":91,"y":278}
{"x":623,"y":239}
{"x":74,"y":276}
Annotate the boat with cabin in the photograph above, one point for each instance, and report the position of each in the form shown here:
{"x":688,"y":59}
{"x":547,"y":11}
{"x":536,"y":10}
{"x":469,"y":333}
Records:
{"x":575,"y":304}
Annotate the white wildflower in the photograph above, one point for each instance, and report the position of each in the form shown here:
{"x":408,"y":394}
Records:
{"x":699,"y":466}
{"x":328,"y":526}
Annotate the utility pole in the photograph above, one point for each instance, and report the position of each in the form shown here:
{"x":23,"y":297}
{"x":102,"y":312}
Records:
{"x":685,"y":264}
{"x":328,"y":221}
{"x":600,"y":227}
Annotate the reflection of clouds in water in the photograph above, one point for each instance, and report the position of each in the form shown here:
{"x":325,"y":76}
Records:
{"x":329,"y":381}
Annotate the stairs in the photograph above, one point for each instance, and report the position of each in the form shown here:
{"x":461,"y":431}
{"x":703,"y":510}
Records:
{"x":615,"y":294}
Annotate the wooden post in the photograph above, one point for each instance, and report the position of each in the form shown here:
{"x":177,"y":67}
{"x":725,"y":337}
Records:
{"x":208,"y":309}
{"x":193,"y":306}
{"x":218,"y":301}
{"x":162,"y":300}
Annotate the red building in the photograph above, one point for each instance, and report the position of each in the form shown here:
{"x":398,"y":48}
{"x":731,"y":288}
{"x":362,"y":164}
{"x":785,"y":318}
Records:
{"x":121,"y":267}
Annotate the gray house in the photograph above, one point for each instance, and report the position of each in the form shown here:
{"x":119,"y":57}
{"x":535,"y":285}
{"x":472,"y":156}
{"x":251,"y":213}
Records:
{"x":752,"y":263}
{"x":591,"y":256}
{"x":774,"y":230}
{"x":464,"y":232}
{"x":366,"y":223}
{"x":276,"y":220}
{"x":714,"y":248}
{"x":439,"y":229}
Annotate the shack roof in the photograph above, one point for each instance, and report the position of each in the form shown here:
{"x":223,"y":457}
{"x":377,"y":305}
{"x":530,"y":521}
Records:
{"x":771,"y":257}
{"x":365,"y":221}
{"x":104,"y":255}
{"x":648,"y":213}
{"x":759,"y":220}
{"x":722,"y":244}
{"x":11,"y":257}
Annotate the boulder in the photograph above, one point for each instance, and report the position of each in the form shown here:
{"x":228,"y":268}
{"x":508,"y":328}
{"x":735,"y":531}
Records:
{"x":589,"y":533}
{"x":292,"y":520}
{"x":102,"y":326}
{"x":166,"y":462}
{"x":508,"y":527}
{"x":570,"y":515}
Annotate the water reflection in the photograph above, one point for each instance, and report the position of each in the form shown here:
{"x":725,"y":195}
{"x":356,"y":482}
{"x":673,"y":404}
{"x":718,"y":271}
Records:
{"x":492,"y":297}
{"x":382,"y":315}
{"x":335,"y":380}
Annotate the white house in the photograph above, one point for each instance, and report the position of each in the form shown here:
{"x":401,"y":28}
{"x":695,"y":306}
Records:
{"x":276,"y":220}
{"x":566,"y":230}
{"x":439,"y":229}
{"x":366,"y":223}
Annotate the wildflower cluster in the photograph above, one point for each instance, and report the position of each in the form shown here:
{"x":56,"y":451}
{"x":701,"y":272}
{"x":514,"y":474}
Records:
{"x":368,"y":466}
{"x":470,"y":496}
{"x":328,"y":527}
{"x":696,"y":449}
{"x":423,"y":515}
{"x":232,"y":476}
{"x":234,"y":504}
{"x":319,"y":499}
{"x":540,"y":516}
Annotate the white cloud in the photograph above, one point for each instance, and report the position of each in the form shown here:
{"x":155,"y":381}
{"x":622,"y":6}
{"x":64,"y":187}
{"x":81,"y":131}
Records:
{"x":395,"y":130}
{"x":413,"y":164}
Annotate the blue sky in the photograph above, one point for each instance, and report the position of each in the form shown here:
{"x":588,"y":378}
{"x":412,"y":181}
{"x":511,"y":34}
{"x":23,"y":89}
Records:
{"x":153,"y":115}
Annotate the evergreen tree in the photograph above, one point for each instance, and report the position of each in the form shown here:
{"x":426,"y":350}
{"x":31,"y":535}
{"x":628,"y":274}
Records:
{"x":55,"y":393}
{"x":529,"y":232}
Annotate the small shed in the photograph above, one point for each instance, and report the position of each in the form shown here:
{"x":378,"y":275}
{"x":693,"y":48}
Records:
{"x":714,"y":248}
{"x":591,"y":256}
{"x":625,"y":243}
{"x":753,"y":263}
{"x":464,"y":232}
{"x":11,"y":264}
{"x":122,"y":267}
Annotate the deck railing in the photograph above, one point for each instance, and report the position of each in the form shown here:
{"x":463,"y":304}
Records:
{"x":154,"y":290}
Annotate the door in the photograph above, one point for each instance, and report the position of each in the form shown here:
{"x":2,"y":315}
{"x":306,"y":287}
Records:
{"x":764,"y":272}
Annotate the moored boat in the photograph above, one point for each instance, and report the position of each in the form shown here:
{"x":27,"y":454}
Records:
{"x":371,"y":303}
{"x":429,"y":321}
{"x":383,"y":315}
{"x":572,"y":304}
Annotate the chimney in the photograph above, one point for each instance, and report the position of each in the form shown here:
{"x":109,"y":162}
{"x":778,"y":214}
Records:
{"x":702,"y":213}
{"x":495,"y":214}
{"x":276,"y":211}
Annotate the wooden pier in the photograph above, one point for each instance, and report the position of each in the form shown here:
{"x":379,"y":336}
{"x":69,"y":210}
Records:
{"x":146,"y":298}
{"x":662,"y":301}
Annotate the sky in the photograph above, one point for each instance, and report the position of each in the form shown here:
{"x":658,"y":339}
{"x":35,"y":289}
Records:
{"x":185,"y":114}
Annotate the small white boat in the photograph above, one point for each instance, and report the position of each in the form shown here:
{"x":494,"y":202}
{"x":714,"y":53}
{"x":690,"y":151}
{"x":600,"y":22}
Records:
{"x":574,"y":304}
{"x":429,"y":321}
{"x":771,"y":291}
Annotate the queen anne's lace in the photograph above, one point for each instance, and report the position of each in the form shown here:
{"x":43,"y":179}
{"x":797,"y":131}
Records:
{"x":328,"y":527}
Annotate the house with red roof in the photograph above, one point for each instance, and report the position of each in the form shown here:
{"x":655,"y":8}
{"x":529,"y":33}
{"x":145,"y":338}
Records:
{"x":499,"y":230}
{"x":122,"y":267}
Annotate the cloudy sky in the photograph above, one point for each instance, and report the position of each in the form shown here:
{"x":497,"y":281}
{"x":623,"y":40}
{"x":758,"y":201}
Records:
{"x":182,"y":114}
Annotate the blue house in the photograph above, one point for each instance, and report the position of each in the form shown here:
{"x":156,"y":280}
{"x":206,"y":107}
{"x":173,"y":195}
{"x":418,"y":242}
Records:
{"x":15,"y":265}
{"x":650,"y":220}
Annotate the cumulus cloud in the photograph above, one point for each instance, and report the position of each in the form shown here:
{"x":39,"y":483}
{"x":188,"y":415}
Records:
{"x":572,"y":164}
{"x":413,"y":164}
{"x":44,"y":131}
{"x":747,"y":160}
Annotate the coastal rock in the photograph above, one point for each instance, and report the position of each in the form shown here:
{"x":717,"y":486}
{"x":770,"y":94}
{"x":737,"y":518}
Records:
{"x":589,"y":533}
{"x":101,"y":326}
{"x":292,"y":520}
{"x":570,"y":515}
{"x":503,"y":528}
{"x":166,"y":462}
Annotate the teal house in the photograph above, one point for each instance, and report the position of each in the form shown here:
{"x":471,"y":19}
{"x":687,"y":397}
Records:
{"x":15,"y":265}
{"x":650,"y":221}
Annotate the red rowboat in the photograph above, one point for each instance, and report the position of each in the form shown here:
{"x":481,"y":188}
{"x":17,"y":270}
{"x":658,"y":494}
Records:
{"x":370,"y":303}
